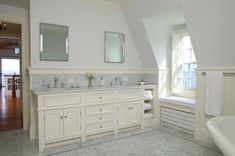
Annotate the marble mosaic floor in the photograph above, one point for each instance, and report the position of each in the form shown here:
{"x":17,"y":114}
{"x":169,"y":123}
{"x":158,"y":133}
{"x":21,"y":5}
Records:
{"x":148,"y":142}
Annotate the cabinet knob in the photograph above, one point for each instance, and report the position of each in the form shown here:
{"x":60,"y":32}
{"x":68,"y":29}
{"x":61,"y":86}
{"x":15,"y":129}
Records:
{"x":101,"y":118}
{"x":100,"y":126}
{"x":65,"y":117}
{"x":61,"y":117}
{"x":101,"y":109}
{"x":101,"y":97}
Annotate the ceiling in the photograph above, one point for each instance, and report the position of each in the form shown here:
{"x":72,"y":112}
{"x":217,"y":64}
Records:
{"x":16,"y":3}
{"x":25,"y":3}
{"x":10,"y":38}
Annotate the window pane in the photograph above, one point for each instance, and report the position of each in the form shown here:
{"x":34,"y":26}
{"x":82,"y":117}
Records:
{"x":183,"y":65}
{"x":10,"y":66}
{"x":186,"y":43}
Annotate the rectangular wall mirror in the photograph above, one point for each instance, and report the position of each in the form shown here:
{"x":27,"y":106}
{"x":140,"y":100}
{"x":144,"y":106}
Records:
{"x":114,"y":47}
{"x":53,"y":42}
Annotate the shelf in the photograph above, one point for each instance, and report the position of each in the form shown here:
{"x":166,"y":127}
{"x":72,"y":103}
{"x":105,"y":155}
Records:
{"x":148,"y":106}
{"x":148,"y":115}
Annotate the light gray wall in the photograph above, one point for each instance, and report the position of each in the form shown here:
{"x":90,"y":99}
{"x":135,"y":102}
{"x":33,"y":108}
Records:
{"x":160,"y":39}
{"x":87,"y":22}
{"x":210,"y":23}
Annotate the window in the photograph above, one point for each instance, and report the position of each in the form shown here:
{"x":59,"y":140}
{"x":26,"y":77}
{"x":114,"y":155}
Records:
{"x":183,"y":66}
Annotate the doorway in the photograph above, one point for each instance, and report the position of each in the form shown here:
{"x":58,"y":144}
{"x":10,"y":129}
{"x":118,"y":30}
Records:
{"x":11,"y":108}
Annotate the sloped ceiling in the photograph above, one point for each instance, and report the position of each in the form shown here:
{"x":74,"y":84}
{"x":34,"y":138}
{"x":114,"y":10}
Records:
{"x":210,"y":24}
{"x":135,"y":15}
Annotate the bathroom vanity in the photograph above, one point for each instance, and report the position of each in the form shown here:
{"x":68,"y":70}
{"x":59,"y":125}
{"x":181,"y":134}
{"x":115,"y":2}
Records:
{"x":69,"y":115}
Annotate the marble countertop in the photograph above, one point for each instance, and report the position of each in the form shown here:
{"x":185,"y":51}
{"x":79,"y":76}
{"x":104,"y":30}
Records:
{"x":43,"y":91}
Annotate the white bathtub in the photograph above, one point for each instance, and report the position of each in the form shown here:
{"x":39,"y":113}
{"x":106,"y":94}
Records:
{"x":222,"y":130}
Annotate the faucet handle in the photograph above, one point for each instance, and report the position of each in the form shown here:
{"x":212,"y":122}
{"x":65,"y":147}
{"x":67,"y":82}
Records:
{"x":63,"y":85}
{"x":45,"y":84}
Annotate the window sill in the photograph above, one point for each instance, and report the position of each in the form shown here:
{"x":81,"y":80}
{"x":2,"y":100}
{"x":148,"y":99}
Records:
{"x":187,"y":102}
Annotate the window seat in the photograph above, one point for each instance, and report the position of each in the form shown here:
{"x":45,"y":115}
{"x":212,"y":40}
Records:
{"x":187,"y":102}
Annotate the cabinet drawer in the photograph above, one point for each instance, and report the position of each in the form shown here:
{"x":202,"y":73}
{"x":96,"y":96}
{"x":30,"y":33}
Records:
{"x":99,"y":97}
{"x":99,"y":127}
{"x":130,"y":94}
{"x":99,"y":117}
{"x":58,"y":100}
{"x":99,"y":109}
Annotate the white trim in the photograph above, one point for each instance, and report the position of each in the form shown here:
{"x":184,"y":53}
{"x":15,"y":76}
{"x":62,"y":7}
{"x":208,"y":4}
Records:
{"x":179,"y":101}
{"x":23,"y":21}
{"x":215,"y":69}
{"x":202,"y":71}
{"x":104,"y":2}
{"x":84,"y":70}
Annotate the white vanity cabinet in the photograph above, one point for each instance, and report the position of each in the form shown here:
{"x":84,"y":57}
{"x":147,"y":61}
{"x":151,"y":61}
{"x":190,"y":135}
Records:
{"x":72,"y":116}
{"x":129,"y":114}
{"x":99,"y":112}
{"x":129,"y":104}
{"x":58,"y":117}
{"x":62,"y":123}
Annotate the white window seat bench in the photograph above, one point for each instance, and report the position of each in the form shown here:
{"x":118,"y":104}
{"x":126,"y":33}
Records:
{"x":179,"y":103}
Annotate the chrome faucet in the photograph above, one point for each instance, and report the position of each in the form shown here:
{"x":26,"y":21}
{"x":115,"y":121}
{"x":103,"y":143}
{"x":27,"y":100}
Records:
{"x":45,"y":84}
{"x":115,"y":80}
{"x":118,"y":80}
{"x":56,"y":80}
{"x":63,"y":85}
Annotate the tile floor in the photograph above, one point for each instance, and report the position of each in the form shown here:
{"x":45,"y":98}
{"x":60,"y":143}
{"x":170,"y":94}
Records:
{"x":162,"y":141}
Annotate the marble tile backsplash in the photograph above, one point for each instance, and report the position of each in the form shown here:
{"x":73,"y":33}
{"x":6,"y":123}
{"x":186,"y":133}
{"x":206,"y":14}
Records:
{"x":76,"y":80}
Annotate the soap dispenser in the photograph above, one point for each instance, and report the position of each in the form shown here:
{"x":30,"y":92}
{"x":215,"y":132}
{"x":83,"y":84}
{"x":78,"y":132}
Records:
{"x":102,"y":81}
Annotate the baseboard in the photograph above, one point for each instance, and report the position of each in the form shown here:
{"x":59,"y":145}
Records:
{"x":201,"y":134}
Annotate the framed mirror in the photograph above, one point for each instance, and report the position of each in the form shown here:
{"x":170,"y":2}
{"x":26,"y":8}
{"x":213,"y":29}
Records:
{"x":53,"y":42}
{"x":114,"y":47}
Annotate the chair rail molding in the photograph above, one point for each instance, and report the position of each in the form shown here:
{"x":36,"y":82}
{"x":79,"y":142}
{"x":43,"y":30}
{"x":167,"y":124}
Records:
{"x":33,"y":71}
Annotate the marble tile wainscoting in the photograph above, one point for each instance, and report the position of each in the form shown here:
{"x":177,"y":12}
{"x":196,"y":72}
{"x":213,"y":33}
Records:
{"x":79,"y":79}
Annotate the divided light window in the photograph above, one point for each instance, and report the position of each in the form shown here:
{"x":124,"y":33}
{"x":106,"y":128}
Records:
{"x":183,"y":66}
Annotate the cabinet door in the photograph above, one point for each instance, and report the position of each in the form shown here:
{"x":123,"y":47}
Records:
{"x":53,"y":124}
{"x":72,"y":122}
{"x":134,"y":112}
{"x":123,"y":115}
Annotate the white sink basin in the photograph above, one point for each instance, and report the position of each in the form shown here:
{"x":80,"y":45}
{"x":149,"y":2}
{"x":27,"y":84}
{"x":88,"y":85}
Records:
{"x":222,"y":130}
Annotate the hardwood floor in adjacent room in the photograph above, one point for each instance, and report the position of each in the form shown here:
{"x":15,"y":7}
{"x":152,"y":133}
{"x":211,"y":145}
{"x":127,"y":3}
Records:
{"x":11,"y":112}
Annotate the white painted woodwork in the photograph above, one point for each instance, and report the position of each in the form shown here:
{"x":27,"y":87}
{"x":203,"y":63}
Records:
{"x":58,"y":100}
{"x":99,"y":109}
{"x":69,"y":116}
{"x":128,"y":114}
{"x":99,"y":117}
{"x":72,"y":122}
{"x":129,"y":95}
{"x":101,"y":97}
{"x":53,"y":124}
{"x":93,"y":128}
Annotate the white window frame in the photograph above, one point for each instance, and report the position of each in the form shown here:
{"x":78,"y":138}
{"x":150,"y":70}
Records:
{"x":176,"y":65}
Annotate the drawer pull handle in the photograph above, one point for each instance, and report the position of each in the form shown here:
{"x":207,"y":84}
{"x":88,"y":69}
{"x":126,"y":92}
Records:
{"x":101,"y":118}
{"x":100,"y":126}
{"x":101,"y":109}
{"x":101,"y":97}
